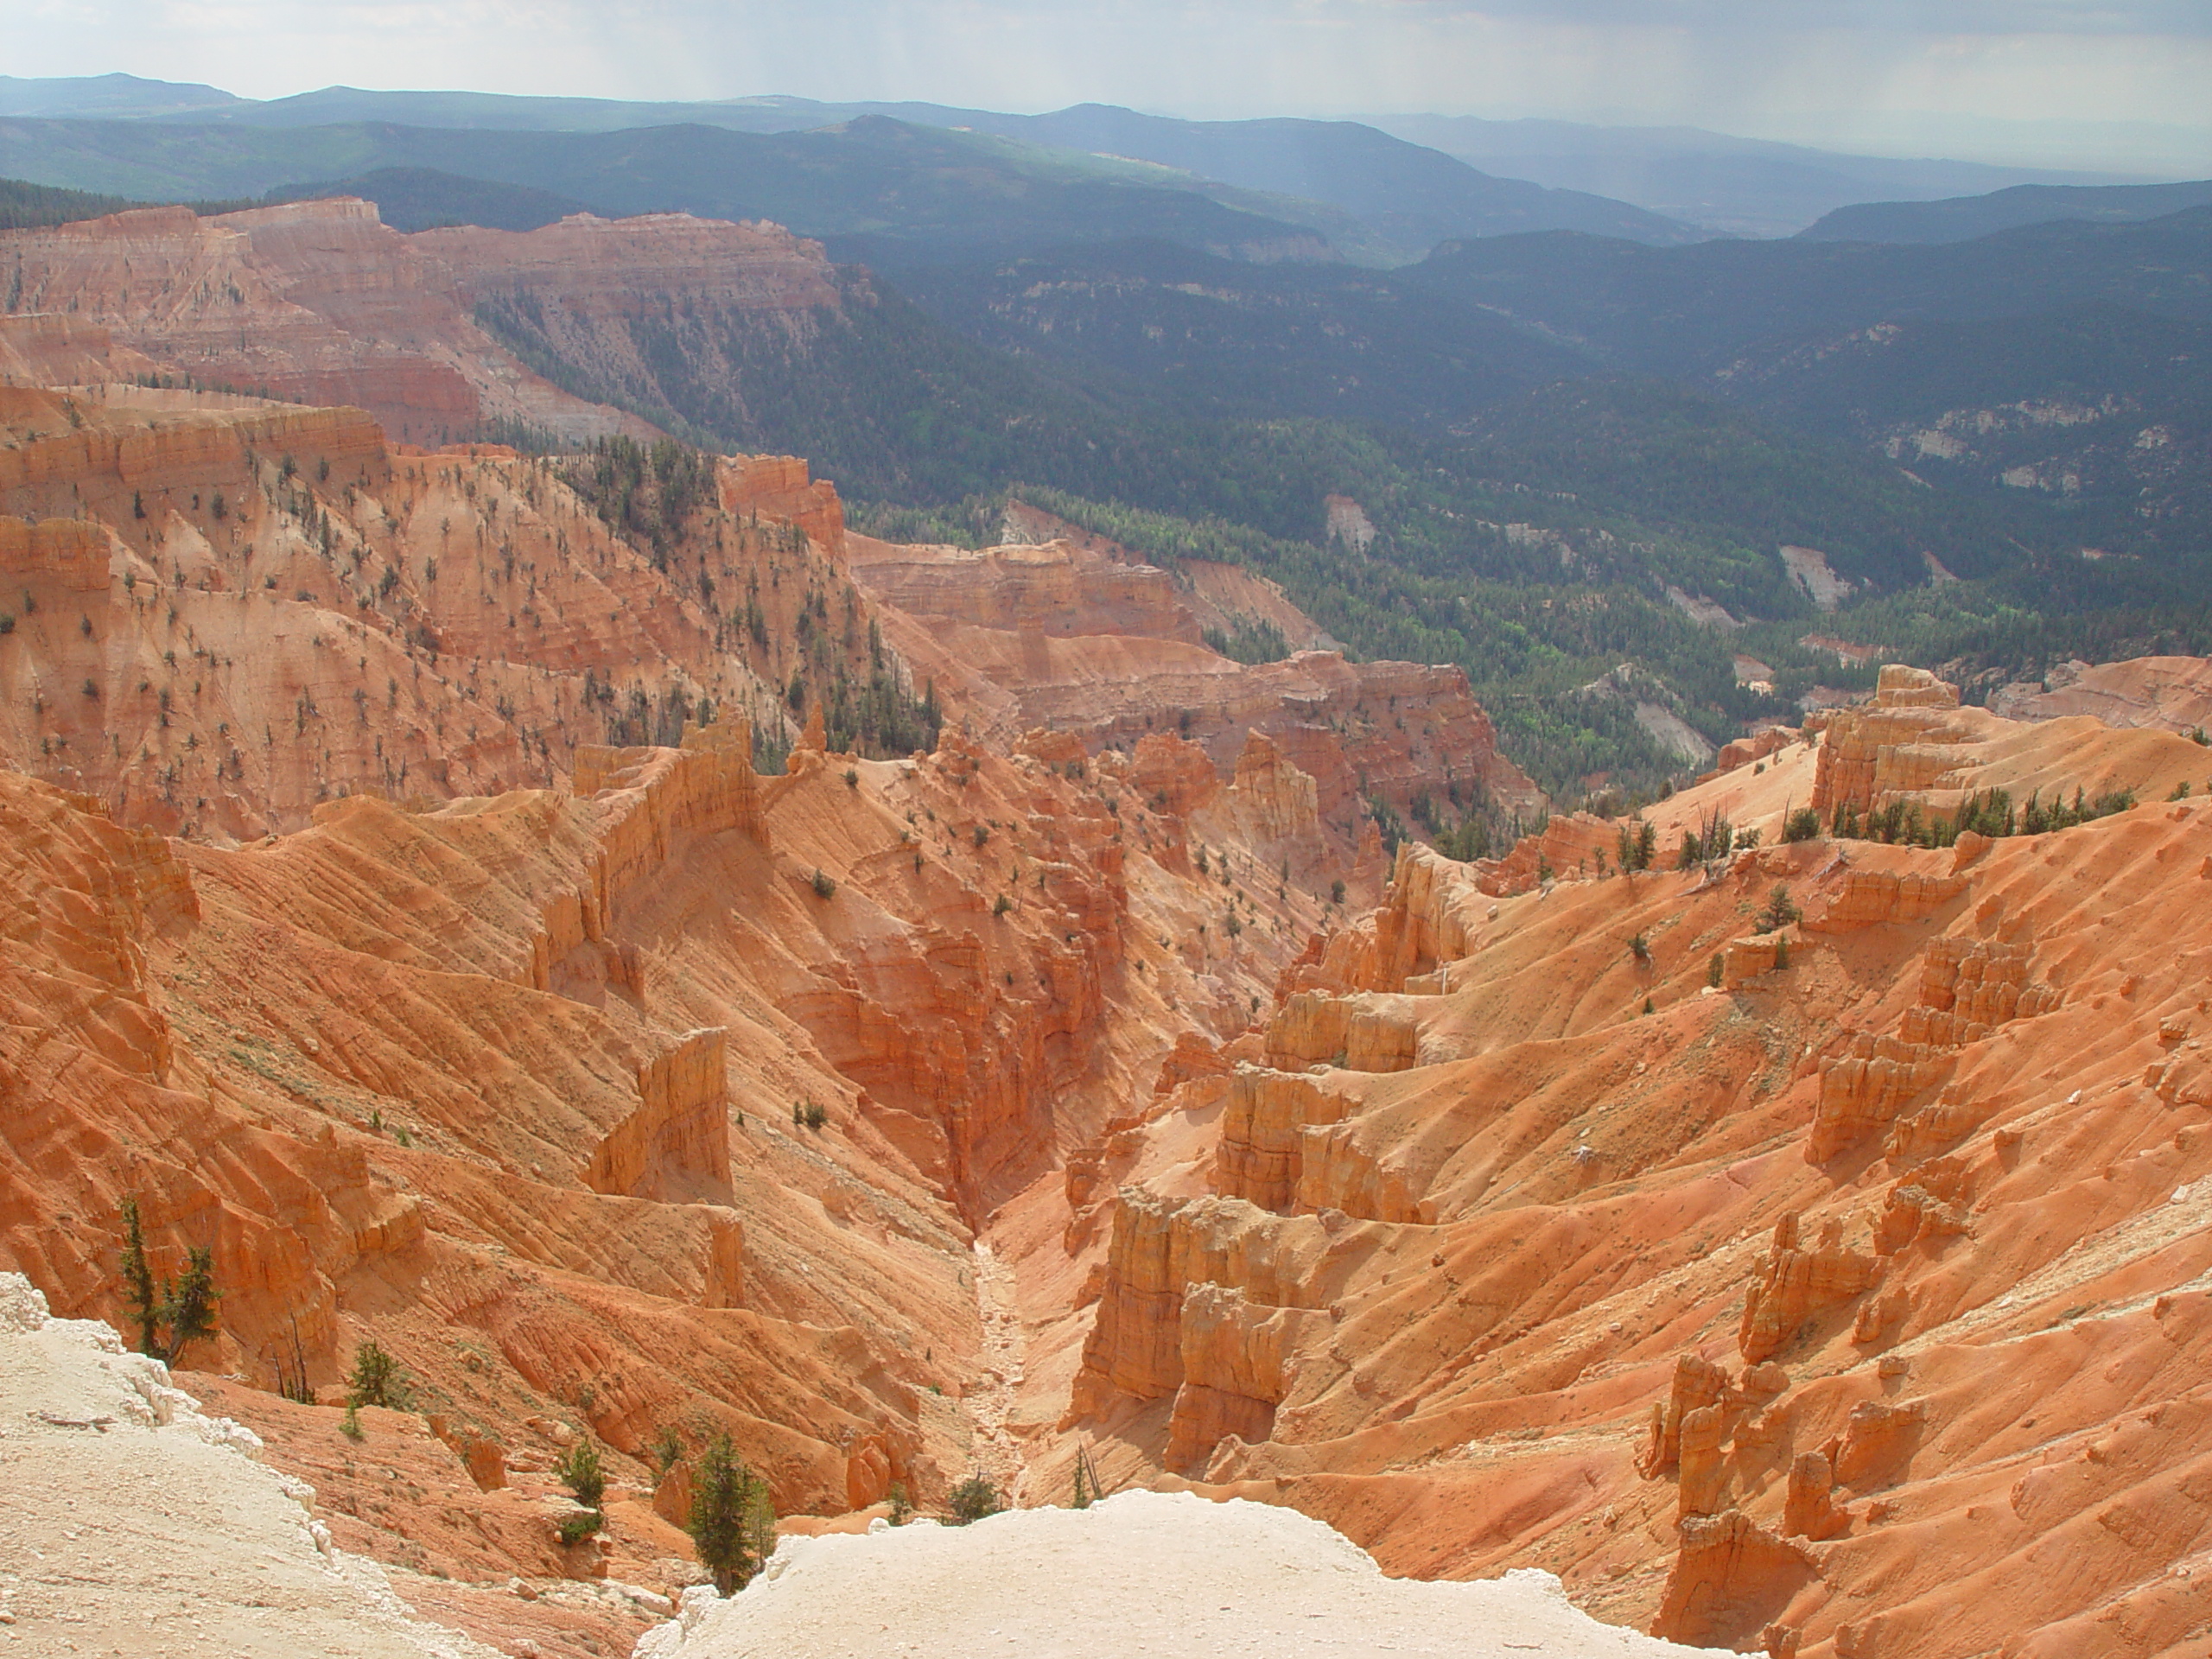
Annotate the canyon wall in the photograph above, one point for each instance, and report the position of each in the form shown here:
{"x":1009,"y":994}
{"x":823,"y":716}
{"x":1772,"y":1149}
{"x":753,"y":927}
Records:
{"x":1811,"y":1288}
{"x":320,"y":303}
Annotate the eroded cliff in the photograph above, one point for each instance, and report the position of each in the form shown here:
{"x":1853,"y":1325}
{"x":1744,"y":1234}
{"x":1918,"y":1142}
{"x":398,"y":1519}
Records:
{"x":1811,"y":1282}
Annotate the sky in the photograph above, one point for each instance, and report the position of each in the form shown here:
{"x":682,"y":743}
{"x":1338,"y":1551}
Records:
{"x":2089,"y":82}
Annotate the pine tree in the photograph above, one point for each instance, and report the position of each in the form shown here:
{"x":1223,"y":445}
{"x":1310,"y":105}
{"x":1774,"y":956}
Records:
{"x":138,"y":1281}
{"x":188,"y":1308}
{"x":732,"y":1523}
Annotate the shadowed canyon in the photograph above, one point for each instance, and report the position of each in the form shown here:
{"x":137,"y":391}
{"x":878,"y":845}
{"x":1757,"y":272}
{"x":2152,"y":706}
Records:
{"x":661,"y":964}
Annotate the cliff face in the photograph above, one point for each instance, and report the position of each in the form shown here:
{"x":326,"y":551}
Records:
{"x":1806,"y":1270}
{"x":448,"y":1023}
{"x":1073,"y":635}
{"x":2171,"y":694}
{"x":225,"y":612}
{"x":320,"y":303}
{"x":1819,"y":1308}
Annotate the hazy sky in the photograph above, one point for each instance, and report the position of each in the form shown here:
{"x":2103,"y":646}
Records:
{"x":1895,"y":74}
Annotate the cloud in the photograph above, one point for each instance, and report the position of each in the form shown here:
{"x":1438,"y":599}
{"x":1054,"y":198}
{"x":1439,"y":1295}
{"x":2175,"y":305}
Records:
{"x":1902,"y":18}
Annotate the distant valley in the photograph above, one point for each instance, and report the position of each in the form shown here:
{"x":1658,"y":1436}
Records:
{"x":1580,"y":436}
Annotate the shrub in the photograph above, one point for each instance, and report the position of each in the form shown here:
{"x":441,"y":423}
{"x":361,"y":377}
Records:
{"x":575,"y":1528}
{"x":973,"y":1499}
{"x":1805,"y":824}
{"x":350,"y":1424}
{"x":1336,"y":892}
{"x":823,"y":887}
{"x":852,"y":779}
{"x":1640,"y":948}
{"x":1715,"y":970}
{"x":902,"y":1508}
{"x":1781,"y":952}
{"x":580,"y":1471}
{"x":982,"y":833}
{"x":665,"y":1449}
{"x":1001,"y":905}
{"x":377,"y":1379}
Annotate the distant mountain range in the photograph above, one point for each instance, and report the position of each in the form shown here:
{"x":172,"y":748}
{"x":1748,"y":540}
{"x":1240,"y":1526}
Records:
{"x":1742,"y":186}
{"x":1377,"y":198}
{"x":1384,"y":190}
{"x":1962,"y":218}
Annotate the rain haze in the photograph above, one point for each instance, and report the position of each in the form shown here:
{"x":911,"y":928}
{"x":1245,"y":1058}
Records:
{"x":2118,"y":84}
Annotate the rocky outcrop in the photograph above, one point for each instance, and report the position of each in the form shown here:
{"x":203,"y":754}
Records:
{"x":1270,"y":807}
{"x":57,"y":349}
{"x":1794,"y":1284}
{"x":1748,"y":751}
{"x":1968,"y":986}
{"x":1261,"y":1156}
{"x":1698,"y":1385}
{"x":1729,"y":1577}
{"x":1809,"y":1510}
{"x":320,"y":302}
{"x":1369,"y":1032}
{"x":1067,"y":636}
{"x":2172,"y":693}
{"x":1054,"y":590}
{"x":1569,"y":844}
{"x":1872,"y":898}
{"x":1200,"y":1303}
{"x":675,"y":1148}
{"x":1901,"y":741}
{"x":1236,"y":1365}
{"x":1878,"y":1438}
{"x":1864,"y":1088}
{"x":780,"y":489}
{"x":264,"y":609}
{"x":60,"y":558}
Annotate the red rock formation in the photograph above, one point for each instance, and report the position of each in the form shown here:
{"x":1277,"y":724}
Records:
{"x":1067,"y":636}
{"x":675,"y":1146}
{"x":272,"y":609}
{"x":1560,"y":1204}
{"x":1261,"y":1156}
{"x":1794,"y":1284}
{"x":2172,"y":693}
{"x":502,"y":1079}
{"x":1914,"y":742}
{"x":320,"y":302}
{"x":1810,"y":1510}
{"x":1730,"y":1577}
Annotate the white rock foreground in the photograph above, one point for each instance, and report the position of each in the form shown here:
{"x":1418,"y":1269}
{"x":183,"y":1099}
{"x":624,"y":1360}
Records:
{"x":1143,"y":1573}
{"x":131,"y":1523}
